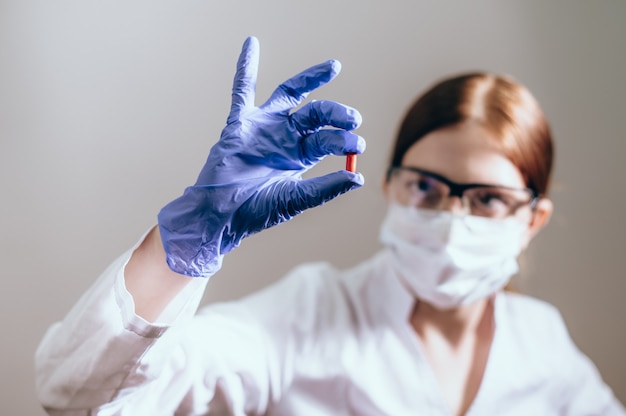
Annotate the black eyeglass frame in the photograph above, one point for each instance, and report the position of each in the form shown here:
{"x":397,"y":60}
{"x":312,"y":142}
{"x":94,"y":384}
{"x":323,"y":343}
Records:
{"x":457,"y":189}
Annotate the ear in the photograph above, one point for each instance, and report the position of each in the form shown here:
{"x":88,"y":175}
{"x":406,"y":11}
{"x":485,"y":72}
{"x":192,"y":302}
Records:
{"x":540,"y":218}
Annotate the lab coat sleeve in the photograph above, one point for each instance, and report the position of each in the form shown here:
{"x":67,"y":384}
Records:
{"x":230,"y":358}
{"x":95,"y":354}
{"x":584,"y":391}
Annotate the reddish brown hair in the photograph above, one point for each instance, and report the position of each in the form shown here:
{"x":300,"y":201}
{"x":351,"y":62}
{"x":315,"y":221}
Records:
{"x":501,"y":105}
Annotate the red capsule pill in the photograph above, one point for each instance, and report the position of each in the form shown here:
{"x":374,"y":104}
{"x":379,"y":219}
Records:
{"x":351,"y":162}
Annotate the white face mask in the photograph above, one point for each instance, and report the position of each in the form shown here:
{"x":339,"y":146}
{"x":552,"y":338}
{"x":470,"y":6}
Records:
{"x":449,"y":260}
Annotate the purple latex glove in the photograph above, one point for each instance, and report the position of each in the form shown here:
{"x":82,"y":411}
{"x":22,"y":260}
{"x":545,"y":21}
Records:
{"x":252,"y":178}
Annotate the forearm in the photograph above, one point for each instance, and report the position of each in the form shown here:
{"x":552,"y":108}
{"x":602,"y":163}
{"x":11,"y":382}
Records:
{"x":149,"y":280}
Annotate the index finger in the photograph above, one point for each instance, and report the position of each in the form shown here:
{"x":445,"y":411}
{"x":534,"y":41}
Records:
{"x":244,"y":84}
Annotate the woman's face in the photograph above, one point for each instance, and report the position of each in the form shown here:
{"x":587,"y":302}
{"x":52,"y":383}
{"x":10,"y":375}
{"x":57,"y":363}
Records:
{"x":464,"y":154}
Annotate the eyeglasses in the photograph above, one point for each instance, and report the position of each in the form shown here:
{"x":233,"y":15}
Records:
{"x":424,"y":189}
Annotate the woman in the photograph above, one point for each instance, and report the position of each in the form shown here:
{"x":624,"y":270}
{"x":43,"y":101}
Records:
{"x":423,"y":327}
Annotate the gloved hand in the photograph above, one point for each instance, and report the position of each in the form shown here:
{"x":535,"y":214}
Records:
{"x":252,"y":178}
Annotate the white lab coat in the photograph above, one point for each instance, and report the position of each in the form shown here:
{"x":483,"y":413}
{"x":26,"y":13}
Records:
{"x":319,"y":342}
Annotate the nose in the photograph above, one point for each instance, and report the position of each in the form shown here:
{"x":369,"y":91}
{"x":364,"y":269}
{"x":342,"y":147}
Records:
{"x":455,"y":205}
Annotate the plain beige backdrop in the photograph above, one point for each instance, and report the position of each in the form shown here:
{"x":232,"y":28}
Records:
{"x":108,"y":110}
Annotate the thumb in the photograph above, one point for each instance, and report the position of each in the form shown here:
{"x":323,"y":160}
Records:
{"x":317,"y":191}
{"x":282,"y":200}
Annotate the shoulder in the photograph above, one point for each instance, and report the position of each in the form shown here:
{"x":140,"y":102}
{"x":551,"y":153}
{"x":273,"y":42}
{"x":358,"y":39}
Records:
{"x":538,"y":331}
{"x":305,"y":286}
{"x":314,"y":275}
{"x":306,"y":296}
{"x":531,"y":312}
{"x":535,"y":325}
{"x":317,"y":280}
{"x":534,"y":333}
{"x":544,"y":348}
{"x":326,"y":296}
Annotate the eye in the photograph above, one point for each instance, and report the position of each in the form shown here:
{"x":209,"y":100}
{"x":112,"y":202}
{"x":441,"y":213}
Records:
{"x":424,"y":185}
{"x":420,"y":189}
{"x":492,"y":198}
{"x":492,"y":201}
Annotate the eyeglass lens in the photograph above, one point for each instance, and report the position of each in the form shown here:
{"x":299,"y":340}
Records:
{"x":425,"y":191}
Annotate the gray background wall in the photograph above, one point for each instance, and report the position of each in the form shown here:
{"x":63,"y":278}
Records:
{"x":108,"y":109}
